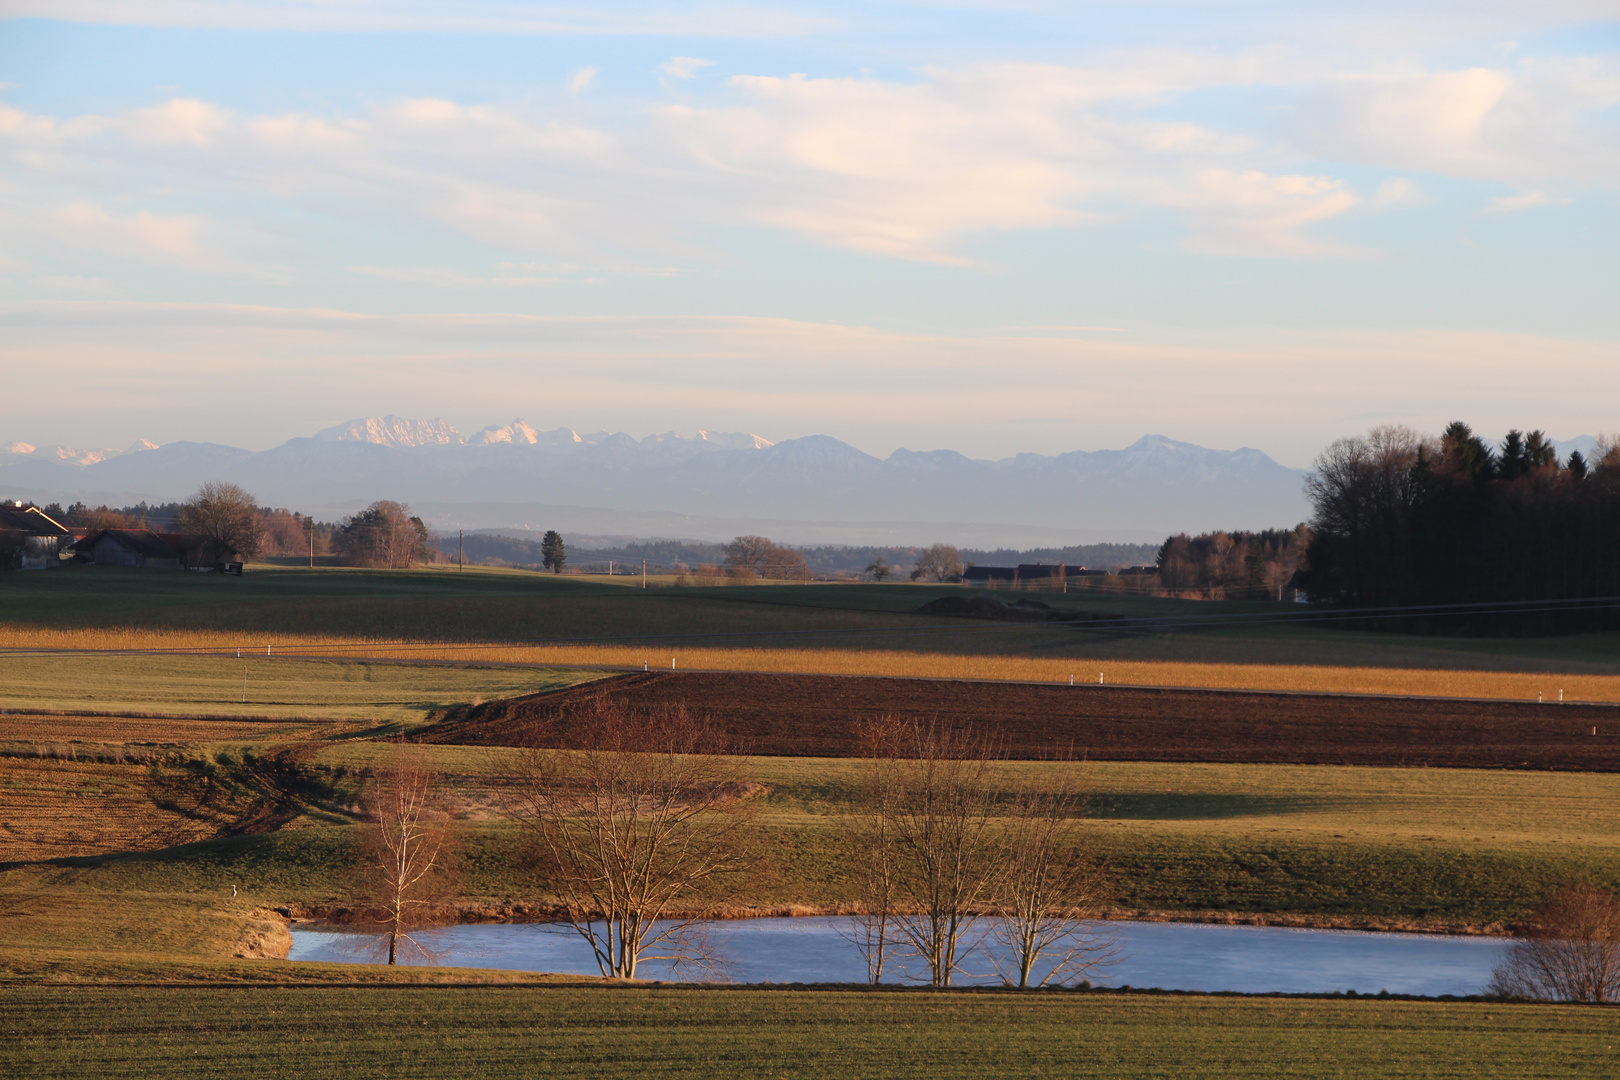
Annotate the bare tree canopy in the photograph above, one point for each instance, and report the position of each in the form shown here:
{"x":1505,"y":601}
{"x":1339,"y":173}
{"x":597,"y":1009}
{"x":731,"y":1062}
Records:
{"x":1229,"y":566}
{"x":759,"y":556}
{"x":1048,"y":896}
{"x":384,"y":534}
{"x":944,"y":849}
{"x":1570,"y":950}
{"x":942,"y":562}
{"x":938,"y":846}
{"x":640,"y":825}
{"x":225,"y":518}
{"x":408,"y":848}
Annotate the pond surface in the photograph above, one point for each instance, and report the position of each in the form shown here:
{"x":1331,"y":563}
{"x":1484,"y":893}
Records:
{"x":1173,"y":956}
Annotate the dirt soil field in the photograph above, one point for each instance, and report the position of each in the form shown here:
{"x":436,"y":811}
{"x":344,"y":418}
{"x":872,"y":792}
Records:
{"x":820,"y":716}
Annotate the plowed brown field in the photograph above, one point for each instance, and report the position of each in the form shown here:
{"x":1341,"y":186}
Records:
{"x":819,"y":715}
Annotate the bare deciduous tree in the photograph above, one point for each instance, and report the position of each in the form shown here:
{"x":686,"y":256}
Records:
{"x":1570,"y":950}
{"x":639,"y":818}
{"x":872,"y":852}
{"x":947,"y":855}
{"x":225,"y":518}
{"x":942,"y":562}
{"x":408,"y":849}
{"x":759,"y":556}
{"x":1046,"y":903}
{"x":748,"y":553}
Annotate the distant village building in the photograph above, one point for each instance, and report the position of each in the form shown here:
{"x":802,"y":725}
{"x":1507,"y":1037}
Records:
{"x":1026,"y":576}
{"x":30,"y":539}
{"x":990,"y":577}
{"x":1045,"y":576}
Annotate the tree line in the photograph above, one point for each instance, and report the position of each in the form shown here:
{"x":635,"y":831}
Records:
{"x":1232,"y":565}
{"x":225,"y":519}
{"x":1403,"y":519}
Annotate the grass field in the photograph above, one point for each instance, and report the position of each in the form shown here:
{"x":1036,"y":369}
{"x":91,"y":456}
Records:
{"x":356,"y":692}
{"x":499,"y":616}
{"x":114,"y":868}
{"x":1378,"y":848}
{"x":563,"y":1031}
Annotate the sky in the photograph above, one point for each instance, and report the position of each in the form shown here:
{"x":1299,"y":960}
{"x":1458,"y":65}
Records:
{"x":989,"y":227}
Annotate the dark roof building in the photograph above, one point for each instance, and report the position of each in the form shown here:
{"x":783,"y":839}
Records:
{"x":30,"y":539}
{"x":130,"y":547}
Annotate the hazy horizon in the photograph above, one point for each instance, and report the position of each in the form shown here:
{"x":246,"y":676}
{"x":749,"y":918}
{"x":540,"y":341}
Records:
{"x":987,"y":228}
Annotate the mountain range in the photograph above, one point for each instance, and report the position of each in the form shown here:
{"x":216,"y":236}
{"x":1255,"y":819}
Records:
{"x":706,"y":486}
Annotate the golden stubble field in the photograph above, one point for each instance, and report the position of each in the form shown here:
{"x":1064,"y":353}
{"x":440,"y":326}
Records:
{"x":300,"y":676}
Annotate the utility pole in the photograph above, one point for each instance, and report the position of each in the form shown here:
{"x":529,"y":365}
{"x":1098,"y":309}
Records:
{"x":460,"y":542}
{"x":643,"y":573}
{"x":311,"y":544}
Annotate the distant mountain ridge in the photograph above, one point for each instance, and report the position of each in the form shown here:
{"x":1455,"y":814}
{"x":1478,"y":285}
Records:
{"x":712,"y":482}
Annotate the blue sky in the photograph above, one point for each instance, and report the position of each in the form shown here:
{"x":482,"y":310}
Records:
{"x":990,"y":227}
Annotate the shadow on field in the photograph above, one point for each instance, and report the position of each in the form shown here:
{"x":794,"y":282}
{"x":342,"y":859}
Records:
{"x":1170,"y":806}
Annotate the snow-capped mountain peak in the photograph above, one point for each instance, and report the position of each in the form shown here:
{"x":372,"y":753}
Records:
{"x":395,"y":431}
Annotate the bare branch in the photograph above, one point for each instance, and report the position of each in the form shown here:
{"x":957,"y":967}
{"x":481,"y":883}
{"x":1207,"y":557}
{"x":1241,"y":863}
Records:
{"x":640,"y":822}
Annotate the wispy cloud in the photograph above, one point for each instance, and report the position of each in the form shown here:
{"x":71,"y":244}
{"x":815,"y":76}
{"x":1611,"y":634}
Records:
{"x":643,"y":19}
{"x":582,"y":79}
{"x":685,"y":67}
{"x":1512,"y":204}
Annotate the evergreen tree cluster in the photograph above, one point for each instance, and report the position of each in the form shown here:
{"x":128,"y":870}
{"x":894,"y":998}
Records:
{"x":1406,"y":520}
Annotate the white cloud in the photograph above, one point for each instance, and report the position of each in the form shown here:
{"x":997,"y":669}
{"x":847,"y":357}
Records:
{"x":1254,"y":213}
{"x":582,"y":79}
{"x":1512,"y":204}
{"x":685,"y":67}
{"x":907,"y":169}
{"x":182,"y":122}
{"x":142,"y":235}
{"x":510,"y":276}
{"x":1538,"y":122}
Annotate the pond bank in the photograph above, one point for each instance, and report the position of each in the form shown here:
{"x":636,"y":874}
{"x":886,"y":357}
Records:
{"x":475,"y":912}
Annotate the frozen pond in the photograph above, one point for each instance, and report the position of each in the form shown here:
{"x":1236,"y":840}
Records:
{"x":1173,"y":956}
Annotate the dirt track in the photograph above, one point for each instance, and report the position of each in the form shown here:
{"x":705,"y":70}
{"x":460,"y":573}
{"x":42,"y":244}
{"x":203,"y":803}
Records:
{"x":817,"y":715}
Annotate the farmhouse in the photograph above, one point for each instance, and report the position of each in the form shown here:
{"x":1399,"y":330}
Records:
{"x":30,"y":539}
{"x":151,"y":550}
{"x":130,"y":547}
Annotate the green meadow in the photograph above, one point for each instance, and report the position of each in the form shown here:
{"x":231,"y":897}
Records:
{"x":297,"y":1032}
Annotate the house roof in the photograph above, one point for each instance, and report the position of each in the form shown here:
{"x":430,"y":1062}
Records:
{"x":31,"y":520}
{"x":144,"y":542}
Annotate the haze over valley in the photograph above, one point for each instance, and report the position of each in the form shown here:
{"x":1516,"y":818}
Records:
{"x":704,"y":486}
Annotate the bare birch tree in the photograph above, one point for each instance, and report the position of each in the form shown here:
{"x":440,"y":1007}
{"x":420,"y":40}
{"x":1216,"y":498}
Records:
{"x":639,"y":822}
{"x":408,"y":849}
{"x":1046,"y":904}
{"x":947,"y":853}
{"x":1570,"y":950}
{"x":872,"y":851}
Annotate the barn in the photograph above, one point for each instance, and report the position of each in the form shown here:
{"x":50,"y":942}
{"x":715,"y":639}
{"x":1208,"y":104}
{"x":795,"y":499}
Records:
{"x":30,"y":539}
